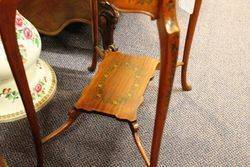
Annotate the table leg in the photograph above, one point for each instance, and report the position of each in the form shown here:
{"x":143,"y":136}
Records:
{"x":188,"y":43}
{"x":8,"y":35}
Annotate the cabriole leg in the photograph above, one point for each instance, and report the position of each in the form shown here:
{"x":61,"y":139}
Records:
{"x":135,"y":128}
{"x":73,"y":114}
{"x":188,"y":43}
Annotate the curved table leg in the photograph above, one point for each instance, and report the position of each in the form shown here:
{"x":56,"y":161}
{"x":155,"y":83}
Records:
{"x":188,"y":43}
{"x":135,"y":128}
{"x":8,"y":35}
{"x":73,"y":114}
{"x":169,"y":44}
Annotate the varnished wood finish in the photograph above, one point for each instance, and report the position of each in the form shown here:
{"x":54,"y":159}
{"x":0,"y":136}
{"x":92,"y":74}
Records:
{"x":135,"y":132}
{"x":148,"y":7}
{"x":165,"y":13}
{"x":50,"y":17}
{"x":94,"y":7}
{"x":118,"y":86}
{"x":169,"y":41}
{"x":73,"y":114}
{"x":8,"y":35}
{"x":189,"y":38}
{"x":108,"y":18}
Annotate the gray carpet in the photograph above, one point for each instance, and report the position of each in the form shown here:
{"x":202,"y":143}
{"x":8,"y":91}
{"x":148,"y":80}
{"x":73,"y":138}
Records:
{"x":206,"y":126}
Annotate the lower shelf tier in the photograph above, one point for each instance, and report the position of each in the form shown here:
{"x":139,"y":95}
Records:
{"x":118,"y":86}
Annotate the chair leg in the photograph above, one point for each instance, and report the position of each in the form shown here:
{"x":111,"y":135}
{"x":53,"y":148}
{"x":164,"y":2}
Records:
{"x":73,"y":114}
{"x":134,"y":126}
{"x":188,"y":43}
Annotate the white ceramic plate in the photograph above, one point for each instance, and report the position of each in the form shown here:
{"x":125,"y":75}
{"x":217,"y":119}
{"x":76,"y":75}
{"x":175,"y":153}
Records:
{"x":42,"y":83}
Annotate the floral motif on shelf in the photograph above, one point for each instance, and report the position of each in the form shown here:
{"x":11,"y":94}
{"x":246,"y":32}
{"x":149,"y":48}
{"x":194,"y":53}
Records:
{"x":138,"y":73}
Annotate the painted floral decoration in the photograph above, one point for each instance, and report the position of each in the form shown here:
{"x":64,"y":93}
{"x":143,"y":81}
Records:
{"x":9,"y":94}
{"x":37,"y":92}
{"x":24,"y":30}
{"x":27,"y":33}
{"x":19,"y":21}
{"x":39,"y":89}
{"x":23,"y":53}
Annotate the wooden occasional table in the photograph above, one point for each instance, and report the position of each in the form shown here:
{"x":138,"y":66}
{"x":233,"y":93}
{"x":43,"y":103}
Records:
{"x":93,"y":97}
{"x":160,"y":116}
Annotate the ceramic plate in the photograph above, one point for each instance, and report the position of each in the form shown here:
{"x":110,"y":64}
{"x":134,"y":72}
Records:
{"x":42,"y":82}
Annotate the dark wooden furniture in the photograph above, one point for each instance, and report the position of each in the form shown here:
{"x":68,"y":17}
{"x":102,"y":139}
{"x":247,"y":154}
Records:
{"x":8,"y":35}
{"x":50,"y":17}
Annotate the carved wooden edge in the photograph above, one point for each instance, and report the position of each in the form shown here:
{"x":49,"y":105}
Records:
{"x":108,"y":18}
{"x":8,"y":35}
{"x":62,"y":26}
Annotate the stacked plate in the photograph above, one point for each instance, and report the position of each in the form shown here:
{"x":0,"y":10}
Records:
{"x":41,"y":77}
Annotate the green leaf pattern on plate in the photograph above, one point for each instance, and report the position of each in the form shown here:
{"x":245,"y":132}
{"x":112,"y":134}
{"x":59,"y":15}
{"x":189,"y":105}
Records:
{"x":37,"y":91}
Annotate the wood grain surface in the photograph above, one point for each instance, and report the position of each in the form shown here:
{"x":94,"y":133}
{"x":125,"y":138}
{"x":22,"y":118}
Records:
{"x":118,"y":86}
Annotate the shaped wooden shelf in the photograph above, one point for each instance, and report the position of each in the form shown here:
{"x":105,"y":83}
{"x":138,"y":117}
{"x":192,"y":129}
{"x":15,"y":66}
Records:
{"x":118,"y":86}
